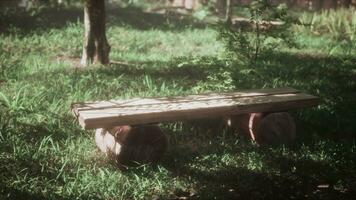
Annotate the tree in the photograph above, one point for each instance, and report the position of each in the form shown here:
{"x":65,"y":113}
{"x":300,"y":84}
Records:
{"x":96,"y":47}
{"x":228,"y":11}
{"x":223,"y":7}
{"x":220,"y":6}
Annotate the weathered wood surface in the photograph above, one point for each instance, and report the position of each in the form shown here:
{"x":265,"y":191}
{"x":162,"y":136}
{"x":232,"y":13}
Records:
{"x":103,"y":114}
{"x":130,"y":145}
{"x":265,"y":128}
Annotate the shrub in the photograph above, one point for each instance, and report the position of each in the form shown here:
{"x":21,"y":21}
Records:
{"x":267,"y":29}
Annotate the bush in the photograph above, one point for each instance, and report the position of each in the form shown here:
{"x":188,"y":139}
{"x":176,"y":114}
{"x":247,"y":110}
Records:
{"x":268,"y":28}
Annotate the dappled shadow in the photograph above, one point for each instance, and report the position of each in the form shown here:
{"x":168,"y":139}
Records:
{"x":38,"y":168}
{"x":59,"y":128}
{"x":168,"y":70}
{"x":50,"y":18}
{"x":160,"y":71}
{"x":137,"y":18}
{"x":7,"y":192}
{"x":10,"y":192}
{"x":44,"y":20}
{"x":281,"y":178}
{"x":233,"y":182}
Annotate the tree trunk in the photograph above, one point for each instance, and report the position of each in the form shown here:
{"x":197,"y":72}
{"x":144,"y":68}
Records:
{"x":228,"y":11}
{"x":96,"y":47}
{"x":220,"y":6}
{"x":315,"y":5}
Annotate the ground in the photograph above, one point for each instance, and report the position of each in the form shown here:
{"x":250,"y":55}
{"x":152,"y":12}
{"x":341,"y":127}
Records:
{"x":45,"y":155}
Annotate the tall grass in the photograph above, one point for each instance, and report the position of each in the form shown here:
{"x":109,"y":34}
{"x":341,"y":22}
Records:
{"x":339,"y":24}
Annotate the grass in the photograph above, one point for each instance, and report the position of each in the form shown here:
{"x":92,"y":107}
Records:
{"x":339,"y":24}
{"x":45,"y":155}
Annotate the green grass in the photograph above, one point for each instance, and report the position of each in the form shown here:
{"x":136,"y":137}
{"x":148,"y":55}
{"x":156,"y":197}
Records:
{"x":339,"y":24}
{"x":45,"y":155}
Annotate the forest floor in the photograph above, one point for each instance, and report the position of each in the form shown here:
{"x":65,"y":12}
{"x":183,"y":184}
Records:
{"x":44,"y":154}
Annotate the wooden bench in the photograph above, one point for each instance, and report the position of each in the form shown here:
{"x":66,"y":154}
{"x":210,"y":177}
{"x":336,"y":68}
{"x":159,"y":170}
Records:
{"x":105,"y":114}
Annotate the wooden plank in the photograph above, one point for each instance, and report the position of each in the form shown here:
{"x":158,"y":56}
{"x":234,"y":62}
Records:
{"x":80,"y":106}
{"x":183,"y":110}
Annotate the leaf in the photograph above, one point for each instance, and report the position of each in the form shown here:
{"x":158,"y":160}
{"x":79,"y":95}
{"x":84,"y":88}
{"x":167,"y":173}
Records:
{"x":4,"y":100}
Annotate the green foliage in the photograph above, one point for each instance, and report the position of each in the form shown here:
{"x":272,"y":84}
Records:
{"x":35,"y":7}
{"x":219,"y":81}
{"x":246,"y":40}
{"x":339,"y":25}
{"x":13,"y":109}
{"x":15,"y":104}
{"x":202,"y":13}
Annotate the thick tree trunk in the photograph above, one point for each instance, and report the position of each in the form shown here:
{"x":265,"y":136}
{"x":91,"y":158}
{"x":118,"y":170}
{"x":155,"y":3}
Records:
{"x":96,"y":47}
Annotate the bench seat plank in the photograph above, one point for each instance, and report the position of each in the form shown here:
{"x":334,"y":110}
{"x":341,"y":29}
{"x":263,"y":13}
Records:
{"x":161,"y":100}
{"x":150,"y":110}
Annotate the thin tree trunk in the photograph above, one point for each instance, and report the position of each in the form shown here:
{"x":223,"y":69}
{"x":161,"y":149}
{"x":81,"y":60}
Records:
{"x":96,"y":47}
{"x":220,"y":7}
{"x":228,"y":11}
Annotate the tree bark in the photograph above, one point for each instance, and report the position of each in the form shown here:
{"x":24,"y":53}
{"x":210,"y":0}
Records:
{"x":228,"y":11}
{"x":96,"y":47}
{"x":220,"y":7}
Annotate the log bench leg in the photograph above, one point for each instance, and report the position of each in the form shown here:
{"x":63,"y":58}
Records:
{"x":130,"y":145}
{"x":266,"y":128}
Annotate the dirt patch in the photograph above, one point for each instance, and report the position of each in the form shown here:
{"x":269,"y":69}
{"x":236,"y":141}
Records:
{"x":74,"y":61}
